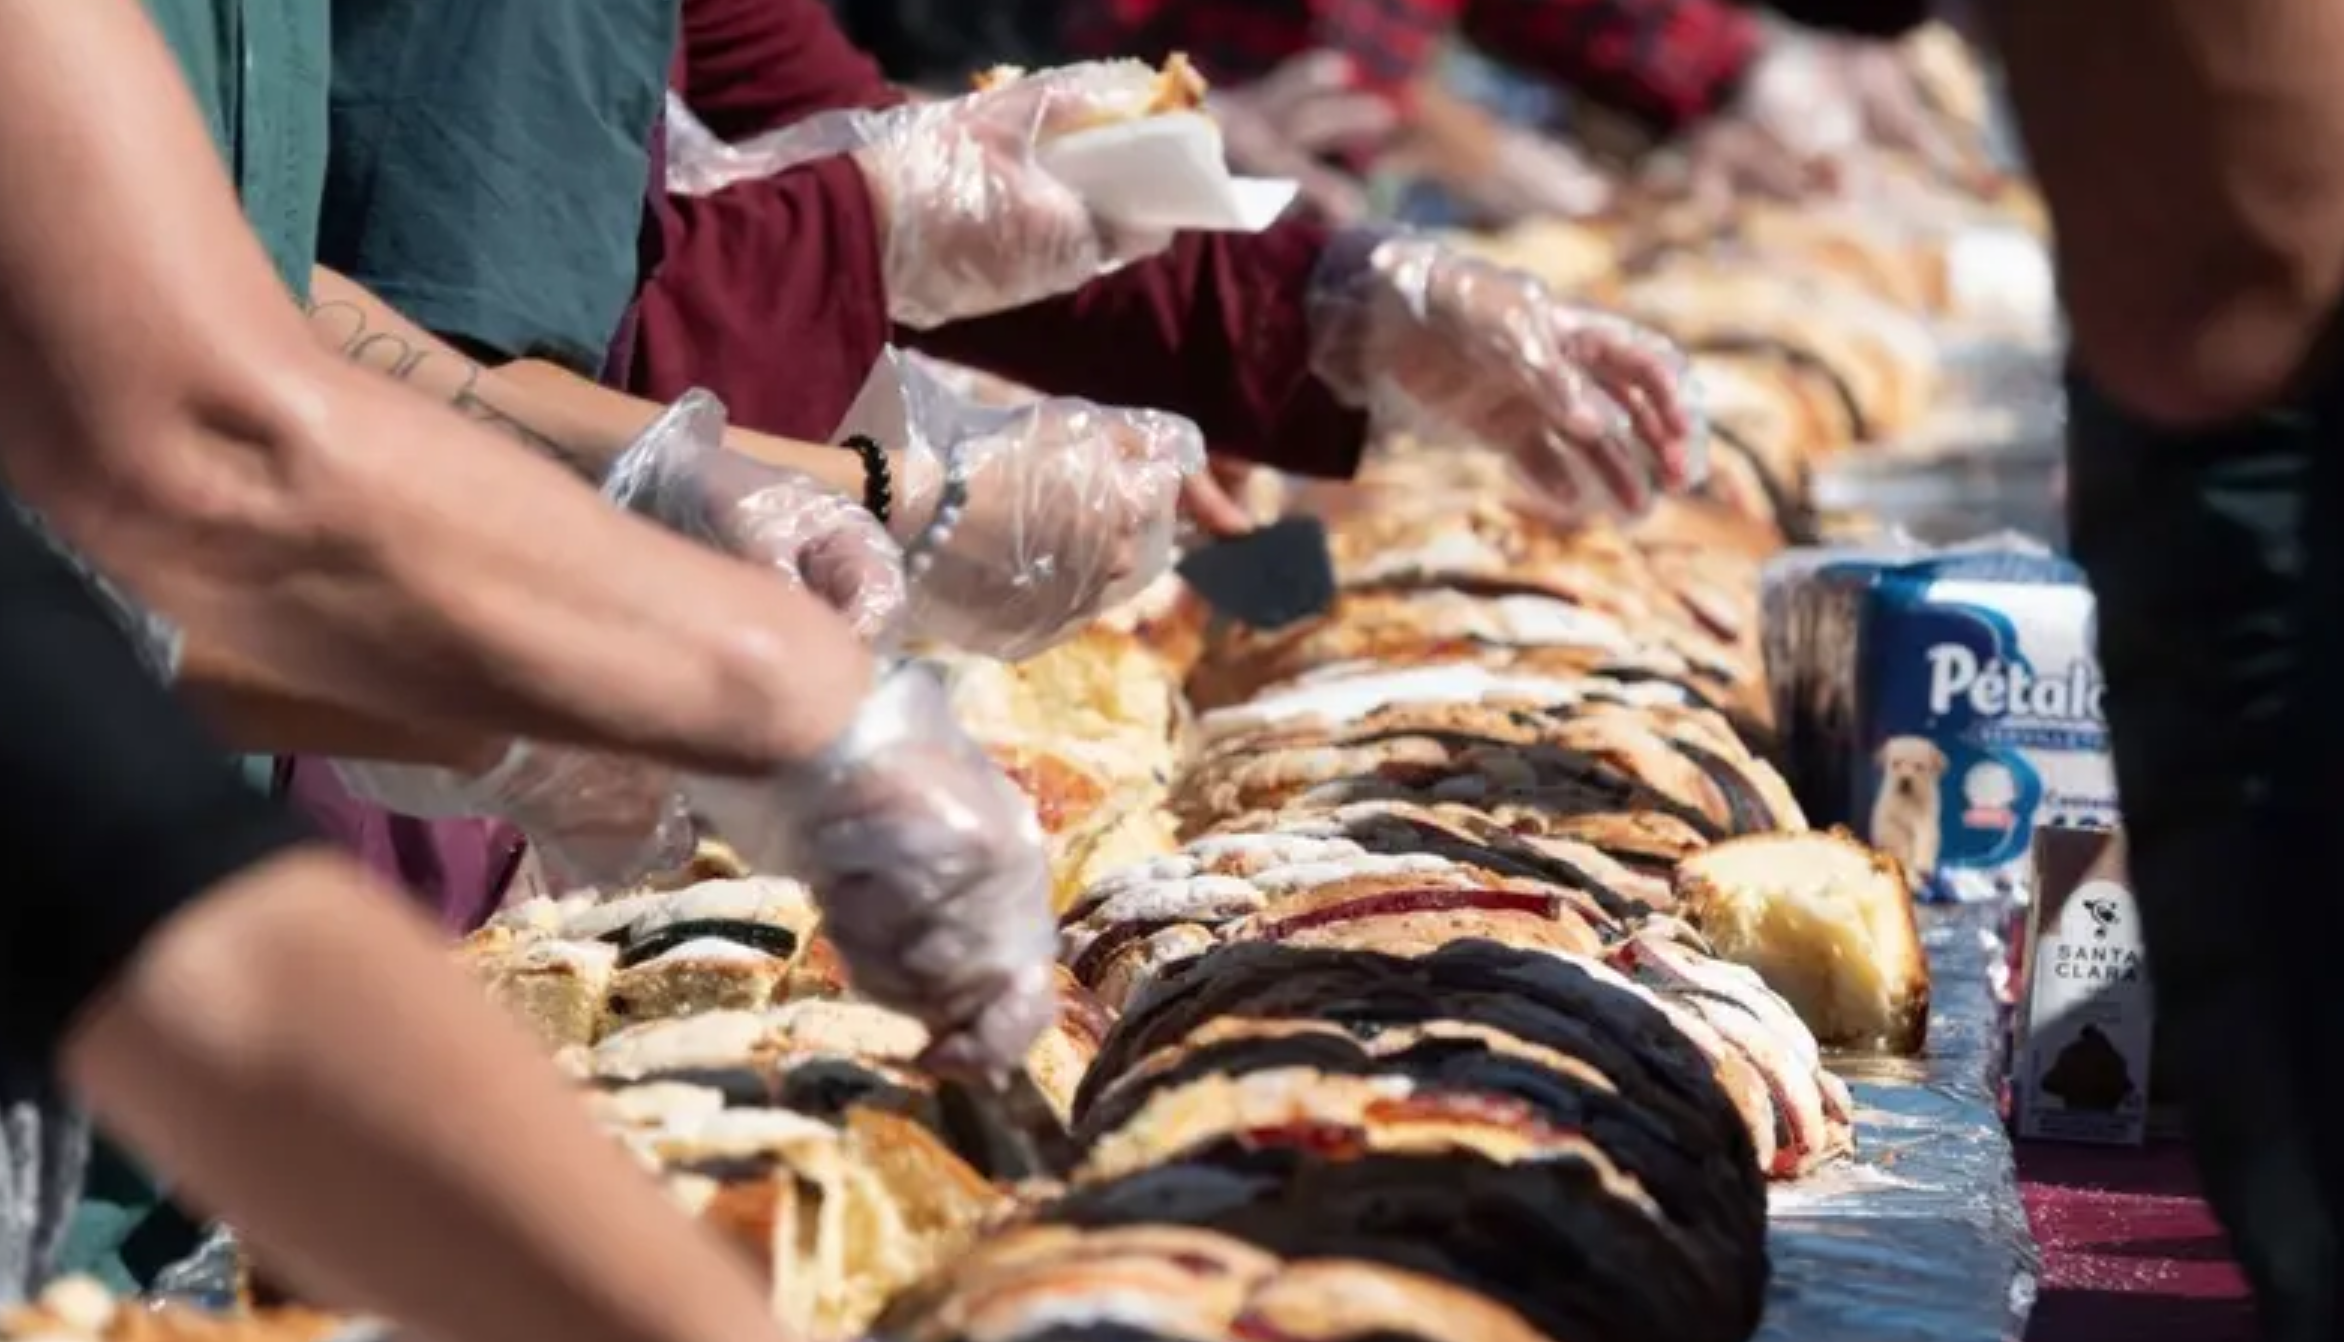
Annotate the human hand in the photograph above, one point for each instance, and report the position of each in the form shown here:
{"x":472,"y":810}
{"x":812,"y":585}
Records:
{"x":1287,"y":123}
{"x":973,"y":224}
{"x":928,"y":866}
{"x":1808,"y":103}
{"x":1533,"y":176}
{"x":1061,"y":508}
{"x":596,"y":820}
{"x":679,"y":473}
{"x":1895,"y":108}
{"x":1730,"y":158}
{"x":1593,"y":411}
{"x":1213,"y":499}
{"x":969,"y":221}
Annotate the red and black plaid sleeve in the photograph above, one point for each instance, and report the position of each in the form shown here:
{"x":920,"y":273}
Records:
{"x":1390,"y":41}
{"x":1665,"y":62}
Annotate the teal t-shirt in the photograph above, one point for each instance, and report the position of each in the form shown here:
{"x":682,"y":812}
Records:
{"x":490,"y":159}
{"x":258,"y":71}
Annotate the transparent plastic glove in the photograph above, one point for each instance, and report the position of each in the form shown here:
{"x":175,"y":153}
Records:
{"x":972,"y":222}
{"x":596,"y":820}
{"x":1533,"y":176}
{"x":679,"y":473}
{"x":1797,"y":92}
{"x":1064,"y":508}
{"x":1894,"y":108}
{"x":1594,"y":412}
{"x":1288,"y":122}
{"x":1808,"y":105}
{"x":1212,"y":500}
{"x":928,"y":866}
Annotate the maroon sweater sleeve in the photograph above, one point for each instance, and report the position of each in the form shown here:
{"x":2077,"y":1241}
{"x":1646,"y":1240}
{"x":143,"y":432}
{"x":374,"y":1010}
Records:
{"x":1214,"y":330}
{"x":756,"y":65}
{"x":767,"y":295}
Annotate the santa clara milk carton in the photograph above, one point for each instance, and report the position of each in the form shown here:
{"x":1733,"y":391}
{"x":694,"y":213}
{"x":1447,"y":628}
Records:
{"x":2086,"y":1025}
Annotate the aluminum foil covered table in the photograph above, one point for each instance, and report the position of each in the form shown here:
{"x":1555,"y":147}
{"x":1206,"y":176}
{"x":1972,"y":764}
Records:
{"x":1922,"y":1237}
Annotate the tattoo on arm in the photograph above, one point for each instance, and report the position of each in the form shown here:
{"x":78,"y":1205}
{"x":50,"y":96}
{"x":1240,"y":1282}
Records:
{"x":473,"y":406}
{"x":396,"y":356}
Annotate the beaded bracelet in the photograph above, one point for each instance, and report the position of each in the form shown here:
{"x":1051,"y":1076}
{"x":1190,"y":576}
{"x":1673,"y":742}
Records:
{"x":952,"y":498}
{"x":878,"y":481}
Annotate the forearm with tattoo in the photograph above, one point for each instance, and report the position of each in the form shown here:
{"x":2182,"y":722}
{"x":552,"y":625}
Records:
{"x":551,"y":410}
{"x":437,"y":369}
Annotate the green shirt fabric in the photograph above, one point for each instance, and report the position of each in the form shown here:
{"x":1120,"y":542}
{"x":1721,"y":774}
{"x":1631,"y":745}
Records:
{"x":490,"y":159}
{"x":258,"y":70}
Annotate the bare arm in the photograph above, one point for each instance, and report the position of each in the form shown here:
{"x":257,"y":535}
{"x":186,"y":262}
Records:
{"x":546,"y":408}
{"x":2192,"y":152}
{"x":253,"y":709}
{"x":298,"y":1029}
{"x":164,"y":405}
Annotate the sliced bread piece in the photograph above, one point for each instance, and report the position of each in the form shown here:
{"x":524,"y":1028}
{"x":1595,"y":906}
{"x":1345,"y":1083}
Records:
{"x":1827,"y":922}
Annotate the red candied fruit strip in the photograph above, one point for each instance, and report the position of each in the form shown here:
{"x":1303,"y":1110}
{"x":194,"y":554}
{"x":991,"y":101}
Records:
{"x":1254,"y":1328}
{"x":1428,"y":899}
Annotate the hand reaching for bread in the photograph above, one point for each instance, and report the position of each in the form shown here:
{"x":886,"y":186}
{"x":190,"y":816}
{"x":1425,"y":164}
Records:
{"x":679,"y":473}
{"x":1059,"y":509}
{"x":1593,"y":411}
{"x":928,"y":865}
{"x":596,"y":820}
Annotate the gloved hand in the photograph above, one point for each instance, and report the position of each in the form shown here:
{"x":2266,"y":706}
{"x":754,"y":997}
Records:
{"x":927,"y":864}
{"x":1053,"y":511}
{"x":973,"y":223}
{"x":1730,"y":157}
{"x":1593,"y":411}
{"x":679,"y":473}
{"x":1212,"y":500}
{"x":1532,"y":176}
{"x":1894,"y":108}
{"x":596,"y":820}
{"x":1807,"y":104}
{"x":970,"y":222}
{"x":1288,"y":122}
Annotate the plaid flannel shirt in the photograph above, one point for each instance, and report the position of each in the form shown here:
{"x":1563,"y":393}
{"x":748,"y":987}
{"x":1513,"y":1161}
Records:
{"x":1664,"y":62}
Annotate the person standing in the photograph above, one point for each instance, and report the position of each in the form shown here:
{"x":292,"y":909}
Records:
{"x":2192,"y":156}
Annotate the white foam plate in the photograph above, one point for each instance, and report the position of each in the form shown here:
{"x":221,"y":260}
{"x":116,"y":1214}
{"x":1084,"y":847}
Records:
{"x":1166,"y":172}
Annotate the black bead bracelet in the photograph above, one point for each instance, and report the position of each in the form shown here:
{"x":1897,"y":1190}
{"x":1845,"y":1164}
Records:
{"x":878,"y":482}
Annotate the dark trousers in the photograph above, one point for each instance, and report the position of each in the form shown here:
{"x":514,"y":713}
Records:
{"x":2218,"y":560}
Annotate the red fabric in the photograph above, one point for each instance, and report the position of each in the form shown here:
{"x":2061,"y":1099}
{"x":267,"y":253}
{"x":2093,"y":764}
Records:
{"x":752,"y":65}
{"x":1214,"y":330}
{"x":2128,"y":1249}
{"x":1665,"y":62}
{"x":456,"y":869}
{"x":770,"y":293}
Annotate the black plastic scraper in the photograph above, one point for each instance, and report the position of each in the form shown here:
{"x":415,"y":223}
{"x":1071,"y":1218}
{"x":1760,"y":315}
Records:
{"x":1006,"y":1129}
{"x":1269,"y":578}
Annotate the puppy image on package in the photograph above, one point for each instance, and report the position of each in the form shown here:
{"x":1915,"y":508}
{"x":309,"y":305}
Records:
{"x":1904,"y":814}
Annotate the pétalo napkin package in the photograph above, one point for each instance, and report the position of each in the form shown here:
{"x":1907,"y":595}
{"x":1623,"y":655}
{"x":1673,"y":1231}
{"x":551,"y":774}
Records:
{"x":1943,"y":707}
